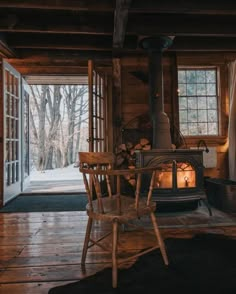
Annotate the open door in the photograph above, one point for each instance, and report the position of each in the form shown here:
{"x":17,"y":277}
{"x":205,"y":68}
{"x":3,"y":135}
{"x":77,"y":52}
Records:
{"x":25,"y":142}
{"x":97,"y":110}
{"x":11,"y":120}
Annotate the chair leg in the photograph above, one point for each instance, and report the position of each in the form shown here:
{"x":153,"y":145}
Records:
{"x":114,"y":253}
{"x":159,"y":238}
{"x":86,"y":240}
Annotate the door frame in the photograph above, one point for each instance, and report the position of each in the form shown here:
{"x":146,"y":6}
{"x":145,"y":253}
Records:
{"x":25,"y":90}
{"x":11,"y":168}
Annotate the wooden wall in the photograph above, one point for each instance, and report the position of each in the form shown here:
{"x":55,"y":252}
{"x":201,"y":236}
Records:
{"x":1,"y":135}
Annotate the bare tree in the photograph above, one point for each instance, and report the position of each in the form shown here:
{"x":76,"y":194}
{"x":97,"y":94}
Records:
{"x":57,"y":114}
{"x":76,"y":106}
{"x":38,"y":105}
{"x":54,"y":104}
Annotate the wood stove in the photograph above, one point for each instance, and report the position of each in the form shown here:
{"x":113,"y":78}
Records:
{"x":179,"y":179}
{"x":180,"y":176}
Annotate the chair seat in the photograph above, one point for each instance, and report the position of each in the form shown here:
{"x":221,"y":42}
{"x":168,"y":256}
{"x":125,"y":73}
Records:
{"x":127,"y":211}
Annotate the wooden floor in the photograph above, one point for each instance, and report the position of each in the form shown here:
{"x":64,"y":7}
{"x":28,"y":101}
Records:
{"x":41,"y":250}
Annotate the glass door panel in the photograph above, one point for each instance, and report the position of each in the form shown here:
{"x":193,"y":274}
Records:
{"x":186,"y":175}
{"x":164,"y":176}
{"x":97,"y":110}
{"x":12,"y":124}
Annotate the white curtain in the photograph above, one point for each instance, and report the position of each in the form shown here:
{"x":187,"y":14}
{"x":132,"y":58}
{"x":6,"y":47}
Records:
{"x":232,"y":121}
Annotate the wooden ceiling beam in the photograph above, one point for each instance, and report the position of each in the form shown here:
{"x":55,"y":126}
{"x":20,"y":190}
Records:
{"x":67,"y":42}
{"x":90,"y":5}
{"x":69,"y":57}
{"x":44,"y":70}
{"x":58,"y":42}
{"x":182,"y":25}
{"x":227,"y":7}
{"x":99,"y":29}
{"x":120,"y":22}
{"x":203,"y":44}
{"x":178,"y":25}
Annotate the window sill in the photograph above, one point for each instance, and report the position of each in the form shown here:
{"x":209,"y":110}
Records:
{"x":210,"y":140}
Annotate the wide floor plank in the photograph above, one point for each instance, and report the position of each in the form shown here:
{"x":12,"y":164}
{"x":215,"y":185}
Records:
{"x":41,"y":250}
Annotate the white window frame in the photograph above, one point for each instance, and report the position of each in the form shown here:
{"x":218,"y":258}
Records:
{"x":188,"y":123}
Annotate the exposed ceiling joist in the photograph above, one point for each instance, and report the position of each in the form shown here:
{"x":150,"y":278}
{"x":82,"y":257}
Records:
{"x":201,"y":7}
{"x":91,"y":5}
{"x":75,"y":31}
{"x":120,"y":22}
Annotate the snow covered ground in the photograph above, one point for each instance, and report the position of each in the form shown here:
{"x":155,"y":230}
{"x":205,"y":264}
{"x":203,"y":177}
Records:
{"x":57,"y":174}
{"x":59,"y":180}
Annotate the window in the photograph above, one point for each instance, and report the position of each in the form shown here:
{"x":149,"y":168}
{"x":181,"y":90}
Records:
{"x":198,"y":101}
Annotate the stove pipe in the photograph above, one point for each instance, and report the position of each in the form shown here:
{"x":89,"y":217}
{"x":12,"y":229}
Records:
{"x":160,"y":121}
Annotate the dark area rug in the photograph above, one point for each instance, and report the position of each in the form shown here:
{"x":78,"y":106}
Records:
{"x":204,"y":264}
{"x":46,"y":203}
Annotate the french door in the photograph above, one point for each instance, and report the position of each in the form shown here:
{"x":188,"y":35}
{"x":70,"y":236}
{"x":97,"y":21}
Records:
{"x":25,"y":142}
{"x":11,"y":132}
{"x":98,"y":139}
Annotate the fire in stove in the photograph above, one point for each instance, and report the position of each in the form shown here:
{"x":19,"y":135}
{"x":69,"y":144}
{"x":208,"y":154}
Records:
{"x":180,"y":175}
{"x":185,"y":175}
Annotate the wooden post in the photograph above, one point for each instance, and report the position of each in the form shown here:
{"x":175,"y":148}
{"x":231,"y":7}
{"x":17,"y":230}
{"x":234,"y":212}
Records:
{"x":117,"y":101}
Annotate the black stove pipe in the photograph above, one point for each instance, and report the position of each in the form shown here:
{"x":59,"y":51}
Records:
{"x":160,"y":121}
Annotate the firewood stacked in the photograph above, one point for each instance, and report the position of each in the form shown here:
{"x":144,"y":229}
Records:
{"x":125,"y":155}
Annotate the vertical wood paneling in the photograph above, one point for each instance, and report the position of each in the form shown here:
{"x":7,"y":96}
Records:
{"x":1,"y":132}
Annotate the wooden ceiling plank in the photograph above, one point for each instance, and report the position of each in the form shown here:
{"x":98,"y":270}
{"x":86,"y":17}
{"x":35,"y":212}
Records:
{"x":89,"y":5}
{"x":59,"y":29}
{"x":69,"y":57}
{"x":207,"y":7}
{"x":203,"y":44}
{"x":180,"y":25}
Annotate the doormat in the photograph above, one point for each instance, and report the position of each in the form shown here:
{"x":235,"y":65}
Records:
{"x":203,"y":264}
{"x":46,"y":203}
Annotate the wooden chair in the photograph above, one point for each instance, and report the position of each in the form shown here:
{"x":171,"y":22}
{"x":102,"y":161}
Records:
{"x":114,"y":207}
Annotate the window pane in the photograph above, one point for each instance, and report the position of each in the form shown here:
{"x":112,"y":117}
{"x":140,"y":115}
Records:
{"x":191,"y":89}
{"x":212,"y":128}
{"x":202,"y":128}
{"x":191,"y":76}
{"x":183,"y":103}
{"x":181,"y":76}
{"x":193,"y":129}
{"x":211,"y":89}
{"x":183,"y":116}
{"x":182,"y":89}
{"x":202,"y":115}
{"x":198,"y":102}
{"x":201,"y":89}
{"x":202,"y":103}
{"x":192,"y":103}
{"x":212,"y":115}
{"x":210,"y":76}
{"x":192,"y":116}
{"x":212,"y":103}
{"x":184,"y":129}
{"x":200,"y":76}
